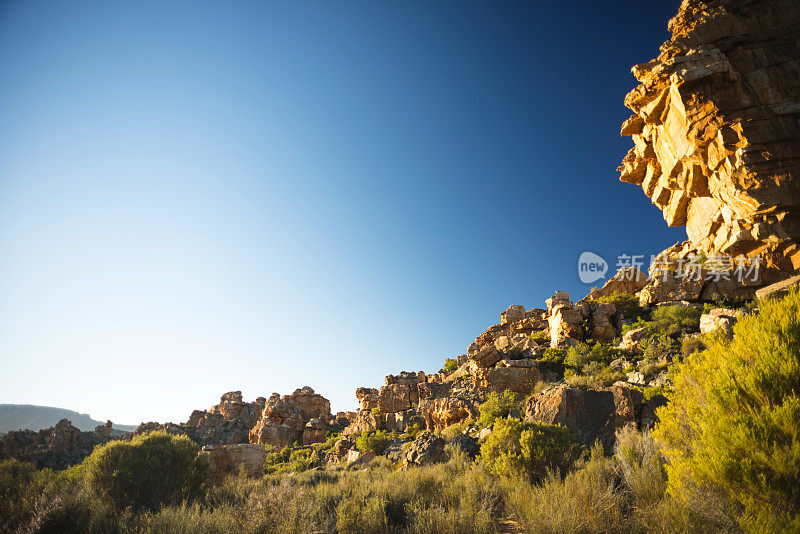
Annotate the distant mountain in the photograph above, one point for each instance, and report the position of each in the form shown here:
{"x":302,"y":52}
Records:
{"x":30,"y":417}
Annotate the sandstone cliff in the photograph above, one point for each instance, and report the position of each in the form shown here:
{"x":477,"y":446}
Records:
{"x":716,"y":129}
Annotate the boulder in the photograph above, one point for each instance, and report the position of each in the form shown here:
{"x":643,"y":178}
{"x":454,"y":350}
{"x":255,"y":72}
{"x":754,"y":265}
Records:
{"x":513,"y":314}
{"x":631,"y":339}
{"x":313,"y":432}
{"x":590,"y":415}
{"x":602,"y":322}
{"x":718,"y":319}
{"x":231,"y":459}
{"x":778,"y":289}
{"x":426,"y":449}
{"x":487,"y":356}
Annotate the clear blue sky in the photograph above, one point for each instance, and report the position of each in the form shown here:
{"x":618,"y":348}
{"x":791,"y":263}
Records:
{"x":201,"y":197}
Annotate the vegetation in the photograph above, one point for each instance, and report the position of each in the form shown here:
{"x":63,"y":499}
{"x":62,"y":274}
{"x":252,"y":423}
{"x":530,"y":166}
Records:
{"x":529,"y":450}
{"x":450,"y":365}
{"x":731,"y":429}
{"x":669,"y":320}
{"x":498,"y":406}
{"x":541,"y":337}
{"x":724,"y":458}
{"x":375,"y":441}
{"x":627,"y":306}
{"x":147,"y":472}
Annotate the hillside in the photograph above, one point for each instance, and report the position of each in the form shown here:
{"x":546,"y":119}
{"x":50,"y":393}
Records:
{"x":31,"y":417}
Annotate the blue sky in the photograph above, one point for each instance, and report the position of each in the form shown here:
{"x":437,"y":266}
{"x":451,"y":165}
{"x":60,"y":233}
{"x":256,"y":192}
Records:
{"x":202,"y":197}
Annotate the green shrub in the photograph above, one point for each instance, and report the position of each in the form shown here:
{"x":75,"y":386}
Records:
{"x":577,"y":355}
{"x":450,"y":432}
{"x":147,"y":472}
{"x":450,"y":365}
{"x":732,"y":427}
{"x":376,"y":441}
{"x":541,"y":337}
{"x":553,"y":355}
{"x":515,"y":448}
{"x":498,"y":406}
{"x":582,"y":354}
{"x":691,"y":344}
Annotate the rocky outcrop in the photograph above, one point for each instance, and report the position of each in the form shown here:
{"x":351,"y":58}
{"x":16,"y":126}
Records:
{"x":589,"y":414}
{"x":715,"y":128}
{"x":718,"y":319}
{"x":627,"y":281}
{"x":304,"y":416}
{"x":299,"y":417}
{"x":231,"y":459}
{"x":778,"y":289}
{"x":566,"y":321}
{"x":57,"y":448}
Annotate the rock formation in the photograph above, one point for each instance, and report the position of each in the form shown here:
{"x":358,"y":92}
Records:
{"x":716,"y":132}
{"x":230,"y":459}
{"x":57,"y":448}
{"x":303,"y":416}
{"x":590,"y":415}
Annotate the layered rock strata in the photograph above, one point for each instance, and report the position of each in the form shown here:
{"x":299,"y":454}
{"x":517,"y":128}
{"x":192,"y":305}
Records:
{"x":716,"y":129}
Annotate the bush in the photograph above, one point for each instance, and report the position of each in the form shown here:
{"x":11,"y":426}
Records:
{"x":553,"y":355}
{"x":691,"y":344}
{"x":450,"y":365}
{"x":147,"y":472}
{"x":584,"y":500}
{"x":733,"y":425}
{"x":577,"y":356}
{"x":515,"y":448}
{"x":376,"y":441}
{"x":498,"y":406}
{"x":541,"y":337}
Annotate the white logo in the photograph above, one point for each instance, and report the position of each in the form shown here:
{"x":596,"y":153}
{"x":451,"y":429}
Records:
{"x":591,"y":267}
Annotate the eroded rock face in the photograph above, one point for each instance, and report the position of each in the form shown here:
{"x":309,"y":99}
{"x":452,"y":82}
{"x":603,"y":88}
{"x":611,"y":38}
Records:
{"x":516,"y":378}
{"x":566,"y":321}
{"x":588,"y":414}
{"x":715,"y":128}
{"x":301,"y":416}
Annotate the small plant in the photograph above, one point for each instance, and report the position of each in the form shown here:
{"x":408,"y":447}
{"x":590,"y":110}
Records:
{"x":541,"y":337}
{"x":450,"y":365}
{"x":498,"y":406}
{"x":376,"y":441}
{"x":554,"y":355}
{"x":691,"y":344}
